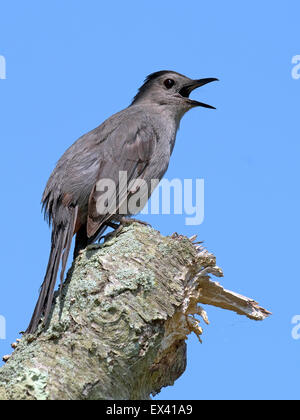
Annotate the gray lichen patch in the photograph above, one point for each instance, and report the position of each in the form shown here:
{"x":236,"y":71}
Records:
{"x":130,"y":279}
{"x":19,"y":379}
{"x":35,"y":382}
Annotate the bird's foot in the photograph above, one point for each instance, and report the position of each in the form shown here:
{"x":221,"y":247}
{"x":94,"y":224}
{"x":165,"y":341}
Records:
{"x":129,"y":221}
{"x":123,"y":221}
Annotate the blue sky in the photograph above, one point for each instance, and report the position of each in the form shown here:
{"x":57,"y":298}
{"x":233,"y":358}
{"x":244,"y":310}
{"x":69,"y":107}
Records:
{"x":72,"y":64}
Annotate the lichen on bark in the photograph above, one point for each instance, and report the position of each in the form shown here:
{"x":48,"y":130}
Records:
{"x":119,"y":327}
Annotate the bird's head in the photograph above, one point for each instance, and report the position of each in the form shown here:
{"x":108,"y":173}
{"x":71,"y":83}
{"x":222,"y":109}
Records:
{"x":170,"y":88}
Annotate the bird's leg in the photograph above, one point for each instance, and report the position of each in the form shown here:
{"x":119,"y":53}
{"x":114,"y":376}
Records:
{"x":129,"y":221}
{"x":117,"y":229}
{"x":112,"y":225}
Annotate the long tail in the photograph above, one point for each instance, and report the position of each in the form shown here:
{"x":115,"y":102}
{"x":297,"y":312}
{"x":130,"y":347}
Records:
{"x":61,"y":240}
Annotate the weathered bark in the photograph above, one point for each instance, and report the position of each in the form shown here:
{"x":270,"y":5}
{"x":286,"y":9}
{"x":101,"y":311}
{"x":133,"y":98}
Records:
{"x":119,"y":330}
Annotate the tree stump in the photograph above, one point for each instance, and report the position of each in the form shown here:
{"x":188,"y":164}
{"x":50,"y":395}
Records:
{"x":119,"y":327}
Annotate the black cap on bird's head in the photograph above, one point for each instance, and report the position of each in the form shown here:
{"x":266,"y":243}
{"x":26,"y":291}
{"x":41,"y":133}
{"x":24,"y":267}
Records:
{"x":168,"y":87}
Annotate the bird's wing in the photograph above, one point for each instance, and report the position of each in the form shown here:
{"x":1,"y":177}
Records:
{"x":131,"y":147}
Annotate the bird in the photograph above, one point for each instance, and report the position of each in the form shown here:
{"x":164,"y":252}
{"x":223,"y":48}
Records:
{"x":137,"y":141}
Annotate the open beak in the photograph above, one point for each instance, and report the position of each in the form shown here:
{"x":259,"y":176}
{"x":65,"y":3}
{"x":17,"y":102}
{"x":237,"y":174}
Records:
{"x":187,"y":89}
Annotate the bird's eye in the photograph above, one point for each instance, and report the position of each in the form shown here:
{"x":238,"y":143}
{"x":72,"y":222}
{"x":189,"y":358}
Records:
{"x":169,"y":83}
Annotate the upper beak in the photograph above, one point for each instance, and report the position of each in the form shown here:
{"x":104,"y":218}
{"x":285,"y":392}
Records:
{"x":194,"y":85}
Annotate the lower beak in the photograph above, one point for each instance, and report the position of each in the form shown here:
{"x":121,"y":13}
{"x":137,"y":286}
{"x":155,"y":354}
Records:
{"x":194,"y":85}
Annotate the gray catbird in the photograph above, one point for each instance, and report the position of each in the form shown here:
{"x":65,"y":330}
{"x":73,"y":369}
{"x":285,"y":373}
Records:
{"x":137,"y":141}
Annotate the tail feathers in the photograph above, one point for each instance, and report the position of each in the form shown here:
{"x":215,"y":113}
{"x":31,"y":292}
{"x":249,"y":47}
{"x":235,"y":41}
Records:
{"x":68,"y":245}
{"x":61,"y":239}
